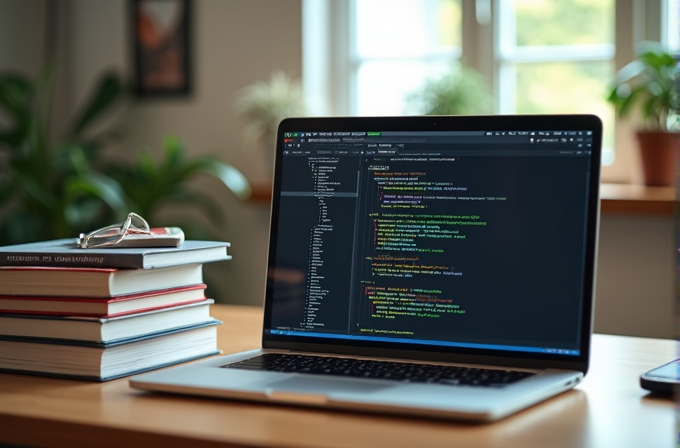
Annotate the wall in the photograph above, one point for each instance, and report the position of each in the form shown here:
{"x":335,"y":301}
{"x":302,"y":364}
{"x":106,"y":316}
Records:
{"x":22,"y":34}
{"x":237,"y":42}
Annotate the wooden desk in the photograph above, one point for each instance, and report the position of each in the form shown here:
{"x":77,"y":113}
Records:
{"x":607,"y":410}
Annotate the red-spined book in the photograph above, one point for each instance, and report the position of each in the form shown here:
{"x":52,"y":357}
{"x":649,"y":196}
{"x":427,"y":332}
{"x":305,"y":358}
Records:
{"x":102,"y":307}
{"x":94,"y":282}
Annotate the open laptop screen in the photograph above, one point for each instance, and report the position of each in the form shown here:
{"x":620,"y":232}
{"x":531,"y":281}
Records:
{"x":456,"y":239}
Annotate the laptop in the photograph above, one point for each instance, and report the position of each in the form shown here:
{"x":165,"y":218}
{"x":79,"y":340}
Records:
{"x":438,"y":266}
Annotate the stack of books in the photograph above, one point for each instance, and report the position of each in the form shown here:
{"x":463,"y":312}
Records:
{"x":101,"y":314}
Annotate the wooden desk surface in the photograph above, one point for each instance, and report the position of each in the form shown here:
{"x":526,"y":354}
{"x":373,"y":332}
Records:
{"x":607,"y":410}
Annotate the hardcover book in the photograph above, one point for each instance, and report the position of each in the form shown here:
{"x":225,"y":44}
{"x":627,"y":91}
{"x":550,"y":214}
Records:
{"x":102,"y":307}
{"x":66,"y":253}
{"x":105,"y":330}
{"x":94,"y":282}
{"x":103,"y":362}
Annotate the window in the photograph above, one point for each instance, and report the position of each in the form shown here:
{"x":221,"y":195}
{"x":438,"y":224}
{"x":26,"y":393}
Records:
{"x":555,"y":57}
{"x":363,"y":57}
{"x":389,"y":59}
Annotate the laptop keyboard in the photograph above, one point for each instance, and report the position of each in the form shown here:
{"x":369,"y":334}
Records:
{"x":396,"y":371}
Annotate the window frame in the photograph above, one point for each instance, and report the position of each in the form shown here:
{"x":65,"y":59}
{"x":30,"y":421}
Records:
{"x":328,"y":65}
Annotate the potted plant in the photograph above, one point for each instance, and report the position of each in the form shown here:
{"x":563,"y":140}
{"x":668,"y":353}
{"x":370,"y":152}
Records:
{"x":648,"y":87}
{"x":151,"y":183}
{"x":56,"y":185}
{"x":262,"y":105}
{"x":461,"y":91}
{"x":48,"y":187}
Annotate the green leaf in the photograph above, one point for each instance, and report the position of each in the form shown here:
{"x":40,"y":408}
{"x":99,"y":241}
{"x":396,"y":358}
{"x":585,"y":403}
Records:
{"x":87,"y":214}
{"x":650,"y":83}
{"x":105,"y":95}
{"x":33,"y":191}
{"x":6,"y":191}
{"x":78,"y":159}
{"x":629,"y":72}
{"x":626,"y":104}
{"x":22,"y":227}
{"x":16,"y":92}
{"x":99,"y":186}
{"x":13,"y":138}
{"x":230,"y":176}
{"x":147,"y":165}
{"x":173,"y":154}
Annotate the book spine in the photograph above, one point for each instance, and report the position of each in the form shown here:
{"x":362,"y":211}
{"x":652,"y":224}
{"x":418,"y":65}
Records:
{"x":84,"y":260}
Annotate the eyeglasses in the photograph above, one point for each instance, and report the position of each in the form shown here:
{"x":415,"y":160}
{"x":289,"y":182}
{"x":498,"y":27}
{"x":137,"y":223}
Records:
{"x":115,"y":233}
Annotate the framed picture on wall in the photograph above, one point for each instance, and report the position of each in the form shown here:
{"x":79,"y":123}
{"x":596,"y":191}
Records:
{"x":161,"y":47}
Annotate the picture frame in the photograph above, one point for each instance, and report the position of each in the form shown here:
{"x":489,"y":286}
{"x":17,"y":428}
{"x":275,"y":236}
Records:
{"x":161,"y":31}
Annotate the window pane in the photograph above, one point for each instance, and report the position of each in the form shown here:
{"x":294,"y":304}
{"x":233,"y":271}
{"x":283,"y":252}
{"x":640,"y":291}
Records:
{"x":564,"y":22}
{"x":406,"y":28}
{"x":567,"y":87}
{"x":673,"y":25}
{"x":382,"y":87}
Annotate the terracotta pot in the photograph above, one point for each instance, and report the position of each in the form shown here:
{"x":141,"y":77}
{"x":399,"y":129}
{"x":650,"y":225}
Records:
{"x":660,"y":154}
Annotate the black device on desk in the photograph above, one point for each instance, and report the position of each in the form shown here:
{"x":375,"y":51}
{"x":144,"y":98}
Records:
{"x":665,"y":378}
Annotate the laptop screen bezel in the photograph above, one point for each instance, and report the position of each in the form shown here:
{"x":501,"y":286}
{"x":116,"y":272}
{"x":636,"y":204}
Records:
{"x":436,"y":353}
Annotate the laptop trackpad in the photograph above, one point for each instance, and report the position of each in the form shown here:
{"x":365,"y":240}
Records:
{"x":325,"y":385}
